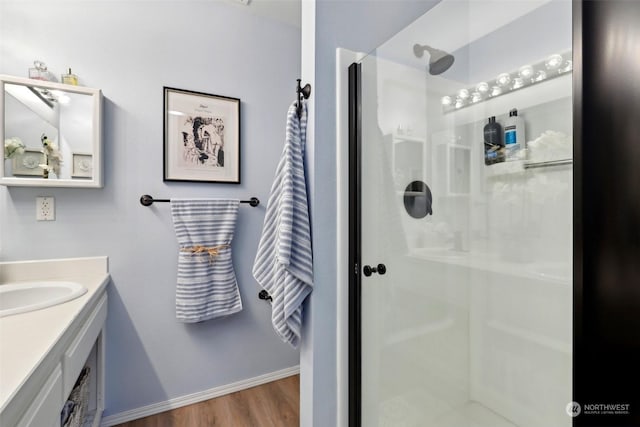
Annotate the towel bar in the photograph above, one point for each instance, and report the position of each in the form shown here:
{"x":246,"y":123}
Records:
{"x":147,"y":200}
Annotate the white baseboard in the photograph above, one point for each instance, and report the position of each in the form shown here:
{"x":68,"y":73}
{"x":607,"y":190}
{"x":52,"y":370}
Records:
{"x":178,"y":402}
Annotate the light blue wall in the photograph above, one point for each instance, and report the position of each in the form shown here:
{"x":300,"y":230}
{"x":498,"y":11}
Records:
{"x":131,"y":50}
{"x":359,"y":26}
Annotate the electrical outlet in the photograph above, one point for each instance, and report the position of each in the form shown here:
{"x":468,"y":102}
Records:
{"x":45,"y":209}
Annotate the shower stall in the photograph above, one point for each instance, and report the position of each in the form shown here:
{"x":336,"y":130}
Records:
{"x":461,"y":220}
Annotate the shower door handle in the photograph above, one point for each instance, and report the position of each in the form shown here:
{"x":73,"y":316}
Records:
{"x":368,"y":270}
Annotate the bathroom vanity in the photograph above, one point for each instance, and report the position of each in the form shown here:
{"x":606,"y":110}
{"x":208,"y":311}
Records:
{"x":44,"y":351}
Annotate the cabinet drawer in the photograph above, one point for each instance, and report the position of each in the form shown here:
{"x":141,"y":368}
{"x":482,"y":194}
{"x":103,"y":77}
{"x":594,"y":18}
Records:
{"x":45,"y":409}
{"x":78,"y":351}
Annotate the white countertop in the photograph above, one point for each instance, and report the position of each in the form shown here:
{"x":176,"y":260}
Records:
{"x":28,"y":341}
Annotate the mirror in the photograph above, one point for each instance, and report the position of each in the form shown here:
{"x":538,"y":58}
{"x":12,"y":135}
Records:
{"x":52,"y":134}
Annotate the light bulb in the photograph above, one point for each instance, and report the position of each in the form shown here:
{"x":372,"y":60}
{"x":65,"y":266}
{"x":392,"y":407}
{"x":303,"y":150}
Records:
{"x":553,"y":62}
{"x":496,"y":90}
{"x":476,"y":97}
{"x":482,"y":87}
{"x":526,"y":71}
{"x":459,"y":103}
{"x":503,"y":79}
{"x":540,"y":76}
{"x":568,"y":66}
{"x":463,"y":93}
{"x":517,"y":83}
{"x":446,"y":100}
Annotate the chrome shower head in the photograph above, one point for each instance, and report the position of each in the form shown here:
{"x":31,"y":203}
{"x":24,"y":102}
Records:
{"x":439,"y":60}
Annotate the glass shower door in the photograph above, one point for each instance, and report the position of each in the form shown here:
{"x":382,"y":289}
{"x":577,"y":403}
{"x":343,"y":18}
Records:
{"x":466,"y":227}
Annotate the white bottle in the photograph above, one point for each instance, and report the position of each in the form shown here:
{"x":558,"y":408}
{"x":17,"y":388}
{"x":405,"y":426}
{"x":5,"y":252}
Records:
{"x":514,"y":139}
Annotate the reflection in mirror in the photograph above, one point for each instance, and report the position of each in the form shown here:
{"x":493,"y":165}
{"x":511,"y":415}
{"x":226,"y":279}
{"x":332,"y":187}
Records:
{"x":57,"y":129}
{"x":418,"y":199}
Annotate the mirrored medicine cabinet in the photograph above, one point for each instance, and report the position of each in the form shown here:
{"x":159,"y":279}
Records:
{"x":52,"y":134}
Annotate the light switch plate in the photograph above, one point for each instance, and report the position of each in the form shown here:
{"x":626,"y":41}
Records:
{"x":45,"y":209}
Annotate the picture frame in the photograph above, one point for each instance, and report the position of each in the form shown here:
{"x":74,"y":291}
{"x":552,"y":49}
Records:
{"x":201,"y":137}
{"x":28,"y":163}
{"x":82,"y":165}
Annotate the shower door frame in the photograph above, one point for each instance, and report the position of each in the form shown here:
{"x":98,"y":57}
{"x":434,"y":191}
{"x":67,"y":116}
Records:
{"x":355,"y":249}
{"x":580,"y":334}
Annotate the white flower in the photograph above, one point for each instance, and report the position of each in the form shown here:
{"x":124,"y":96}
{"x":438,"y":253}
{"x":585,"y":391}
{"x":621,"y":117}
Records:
{"x":13,"y":147}
{"x":52,"y":154}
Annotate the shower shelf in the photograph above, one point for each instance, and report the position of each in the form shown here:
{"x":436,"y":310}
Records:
{"x":502,"y":169}
{"x":548,"y":163}
{"x":519,"y":166}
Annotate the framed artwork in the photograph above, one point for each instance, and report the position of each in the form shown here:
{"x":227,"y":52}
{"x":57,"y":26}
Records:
{"x":28,"y":163}
{"x":82,"y":165}
{"x":201,"y":137}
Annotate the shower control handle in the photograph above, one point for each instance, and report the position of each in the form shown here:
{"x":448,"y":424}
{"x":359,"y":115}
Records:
{"x":368,"y":270}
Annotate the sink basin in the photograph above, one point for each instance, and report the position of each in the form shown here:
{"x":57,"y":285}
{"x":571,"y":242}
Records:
{"x":28,"y":296}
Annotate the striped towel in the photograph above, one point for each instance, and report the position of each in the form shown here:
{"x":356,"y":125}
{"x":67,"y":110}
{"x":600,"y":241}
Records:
{"x":207,"y":286}
{"x":283,"y":264}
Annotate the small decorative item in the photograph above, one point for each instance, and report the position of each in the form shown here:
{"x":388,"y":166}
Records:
{"x":82,"y":165}
{"x":28,"y":163}
{"x":52,"y":157}
{"x":40,"y":72}
{"x":201,"y":137}
{"x":13,"y":147}
{"x":70,"y":78}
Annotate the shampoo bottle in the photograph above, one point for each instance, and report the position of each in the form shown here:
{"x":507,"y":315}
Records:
{"x":493,"y":145}
{"x":514,"y":139}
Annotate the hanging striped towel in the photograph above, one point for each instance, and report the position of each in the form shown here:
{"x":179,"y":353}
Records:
{"x":283,"y":264}
{"x":207,"y":286}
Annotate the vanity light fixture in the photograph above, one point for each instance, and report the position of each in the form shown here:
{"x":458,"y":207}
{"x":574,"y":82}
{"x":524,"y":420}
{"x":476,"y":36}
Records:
{"x":527,"y":75}
{"x":59,"y":96}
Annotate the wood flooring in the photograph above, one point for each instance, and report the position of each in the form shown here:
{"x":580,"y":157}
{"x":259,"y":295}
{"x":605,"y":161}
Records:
{"x":275,"y":404}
